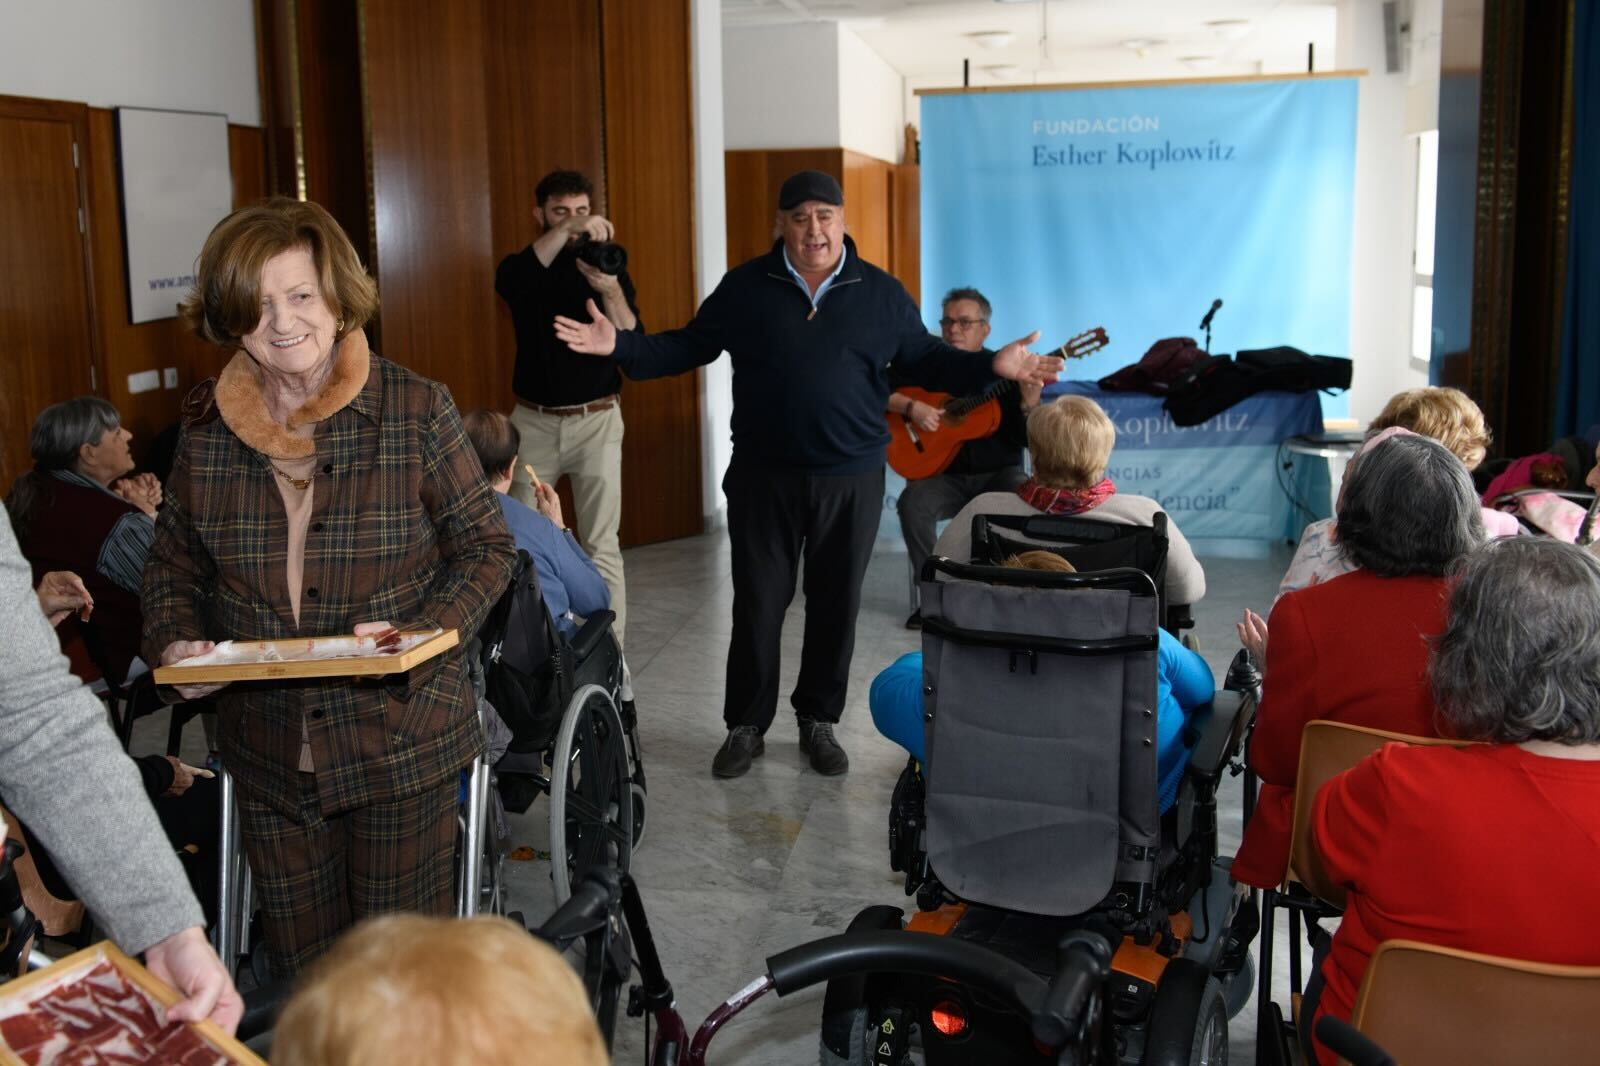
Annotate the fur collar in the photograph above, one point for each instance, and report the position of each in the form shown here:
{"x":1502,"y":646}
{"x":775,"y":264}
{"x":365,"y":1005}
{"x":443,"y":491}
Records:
{"x":244,"y":409}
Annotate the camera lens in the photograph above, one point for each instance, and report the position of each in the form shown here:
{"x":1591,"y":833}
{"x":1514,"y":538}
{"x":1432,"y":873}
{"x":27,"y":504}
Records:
{"x":608,"y":257}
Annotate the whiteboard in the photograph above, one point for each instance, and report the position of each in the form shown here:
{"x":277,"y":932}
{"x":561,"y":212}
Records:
{"x":176,"y":185}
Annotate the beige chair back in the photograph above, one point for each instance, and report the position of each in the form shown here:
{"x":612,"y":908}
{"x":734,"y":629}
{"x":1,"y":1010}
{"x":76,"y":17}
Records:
{"x":57,"y":917}
{"x":1326,"y":749}
{"x":1430,"y":1006}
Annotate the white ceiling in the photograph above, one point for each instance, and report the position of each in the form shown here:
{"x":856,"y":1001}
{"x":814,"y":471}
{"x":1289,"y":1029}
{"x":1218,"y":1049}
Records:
{"x":1068,"y":40}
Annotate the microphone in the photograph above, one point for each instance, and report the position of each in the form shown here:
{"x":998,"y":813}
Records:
{"x":1205,"y":323}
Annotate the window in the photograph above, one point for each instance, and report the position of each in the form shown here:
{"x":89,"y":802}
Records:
{"x":1422,"y":337}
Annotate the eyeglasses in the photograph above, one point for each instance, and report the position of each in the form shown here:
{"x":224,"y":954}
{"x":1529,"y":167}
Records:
{"x":964,"y":323}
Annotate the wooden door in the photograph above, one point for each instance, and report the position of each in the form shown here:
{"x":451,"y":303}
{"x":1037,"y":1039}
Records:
{"x":46,"y":335}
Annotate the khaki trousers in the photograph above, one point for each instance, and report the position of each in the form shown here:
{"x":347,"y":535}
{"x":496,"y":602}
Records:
{"x":588,"y":450}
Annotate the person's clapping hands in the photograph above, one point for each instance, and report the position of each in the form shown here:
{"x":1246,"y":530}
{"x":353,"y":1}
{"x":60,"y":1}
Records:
{"x":142,"y":490}
{"x":62,"y":592}
{"x":1253,"y":635}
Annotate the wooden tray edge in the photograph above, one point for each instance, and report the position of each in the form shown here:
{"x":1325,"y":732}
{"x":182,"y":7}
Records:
{"x":135,"y":972}
{"x":364,"y":666}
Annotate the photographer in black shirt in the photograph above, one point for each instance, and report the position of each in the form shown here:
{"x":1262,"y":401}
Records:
{"x":568,"y":411}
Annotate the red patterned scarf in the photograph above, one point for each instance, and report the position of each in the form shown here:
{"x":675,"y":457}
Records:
{"x":1065,"y":501}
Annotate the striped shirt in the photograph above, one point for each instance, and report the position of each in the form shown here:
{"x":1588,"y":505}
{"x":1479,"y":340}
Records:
{"x":125,"y":548}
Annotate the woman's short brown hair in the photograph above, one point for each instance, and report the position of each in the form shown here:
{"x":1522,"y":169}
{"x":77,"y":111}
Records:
{"x":1071,"y":441}
{"x":1447,"y":415}
{"x":406,"y":988}
{"x":225,"y":303}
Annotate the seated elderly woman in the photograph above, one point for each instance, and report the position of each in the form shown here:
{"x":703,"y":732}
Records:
{"x":1071,"y":441}
{"x":404,"y":988}
{"x":1183,"y":683}
{"x":1448,"y":416}
{"x":1492,"y":848}
{"x":1355,"y":649}
{"x":569,"y":579}
{"x":77,"y":510}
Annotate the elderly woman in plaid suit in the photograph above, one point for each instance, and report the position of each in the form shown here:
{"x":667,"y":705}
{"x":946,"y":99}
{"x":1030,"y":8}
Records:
{"x":319,"y":489}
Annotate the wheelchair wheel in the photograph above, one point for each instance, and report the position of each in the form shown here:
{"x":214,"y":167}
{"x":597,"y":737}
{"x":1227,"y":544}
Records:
{"x":591,"y":801}
{"x":848,"y":1027}
{"x":1189,"y":1020}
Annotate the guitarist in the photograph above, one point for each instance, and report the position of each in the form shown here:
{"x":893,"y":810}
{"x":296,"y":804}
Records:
{"x":991,"y":464}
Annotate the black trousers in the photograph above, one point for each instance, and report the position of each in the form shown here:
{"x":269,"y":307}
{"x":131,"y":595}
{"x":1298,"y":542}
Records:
{"x":776,"y":518}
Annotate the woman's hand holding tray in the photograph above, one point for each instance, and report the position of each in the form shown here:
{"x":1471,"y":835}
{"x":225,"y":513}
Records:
{"x":99,"y":1002}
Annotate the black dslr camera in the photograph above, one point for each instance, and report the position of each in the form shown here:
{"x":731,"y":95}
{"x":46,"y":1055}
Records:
{"x":608,"y":257}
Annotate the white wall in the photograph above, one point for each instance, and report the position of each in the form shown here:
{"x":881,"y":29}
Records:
{"x":181,"y":55}
{"x":710,"y":245}
{"x":1385,"y":217}
{"x":871,"y":101}
{"x":781,"y":86}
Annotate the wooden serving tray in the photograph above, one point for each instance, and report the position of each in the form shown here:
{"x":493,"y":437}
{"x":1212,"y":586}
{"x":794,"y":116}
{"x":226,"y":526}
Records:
{"x":83,"y":961}
{"x":353,"y":666}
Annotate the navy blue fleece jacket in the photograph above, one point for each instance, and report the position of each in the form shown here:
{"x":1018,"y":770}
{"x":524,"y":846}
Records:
{"x":808,"y":389}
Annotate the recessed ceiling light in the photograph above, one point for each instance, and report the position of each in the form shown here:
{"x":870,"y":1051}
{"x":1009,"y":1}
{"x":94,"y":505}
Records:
{"x":992,"y":38}
{"x":1198,"y":62}
{"x":1001,"y":71}
{"x":1230,"y":29}
{"x":1141,"y":44}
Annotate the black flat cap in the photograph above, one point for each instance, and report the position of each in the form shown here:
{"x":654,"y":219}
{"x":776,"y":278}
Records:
{"x":809,"y":185}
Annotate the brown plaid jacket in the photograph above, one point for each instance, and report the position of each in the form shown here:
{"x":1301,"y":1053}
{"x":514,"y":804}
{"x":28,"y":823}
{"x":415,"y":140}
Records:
{"x":404,"y":528}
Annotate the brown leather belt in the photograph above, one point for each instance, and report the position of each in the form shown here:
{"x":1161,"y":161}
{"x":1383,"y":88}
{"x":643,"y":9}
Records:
{"x":603,"y":404}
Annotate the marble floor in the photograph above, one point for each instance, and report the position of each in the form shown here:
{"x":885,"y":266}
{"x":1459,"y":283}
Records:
{"x":733,"y":871}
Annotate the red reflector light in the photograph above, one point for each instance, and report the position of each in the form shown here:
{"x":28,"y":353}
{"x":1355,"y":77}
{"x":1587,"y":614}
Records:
{"x":949,"y":1017}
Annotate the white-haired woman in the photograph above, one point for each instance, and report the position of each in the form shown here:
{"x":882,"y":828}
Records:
{"x":1071,"y":441}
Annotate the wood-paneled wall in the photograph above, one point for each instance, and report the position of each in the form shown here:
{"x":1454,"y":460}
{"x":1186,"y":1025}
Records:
{"x":428,"y":137}
{"x":649,"y":192}
{"x":547,"y":116}
{"x":877,"y":217}
{"x":466,"y":107}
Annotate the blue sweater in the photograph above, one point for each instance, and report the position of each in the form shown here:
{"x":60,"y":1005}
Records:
{"x":809,"y":389}
{"x":1183,"y":682}
{"x":568,"y":578}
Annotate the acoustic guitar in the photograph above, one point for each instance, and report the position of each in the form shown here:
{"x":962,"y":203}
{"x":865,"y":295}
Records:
{"x":915,"y":454}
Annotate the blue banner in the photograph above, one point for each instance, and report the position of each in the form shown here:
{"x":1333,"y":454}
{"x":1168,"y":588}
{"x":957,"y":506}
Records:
{"x":1133,"y":208}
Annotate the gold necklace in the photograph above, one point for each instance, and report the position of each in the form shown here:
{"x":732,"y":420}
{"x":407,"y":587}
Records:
{"x":300,"y":484}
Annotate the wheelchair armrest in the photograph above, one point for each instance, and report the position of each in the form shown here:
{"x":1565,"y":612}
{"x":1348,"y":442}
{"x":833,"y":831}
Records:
{"x":595,"y":627}
{"x":262,"y":1005}
{"x":1216,"y":726}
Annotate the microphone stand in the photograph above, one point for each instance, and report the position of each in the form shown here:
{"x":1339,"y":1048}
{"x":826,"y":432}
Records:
{"x":1205,"y":323}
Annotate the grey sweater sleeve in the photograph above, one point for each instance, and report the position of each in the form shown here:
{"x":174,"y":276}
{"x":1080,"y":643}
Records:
{"x":64,"y":775}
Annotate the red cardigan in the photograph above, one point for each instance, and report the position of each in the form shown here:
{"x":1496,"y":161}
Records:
{"x":1486,"y":848}
{"x":1353,"y":649}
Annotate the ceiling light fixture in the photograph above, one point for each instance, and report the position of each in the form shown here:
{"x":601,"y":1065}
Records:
{"x":992,"y":38}
{"x":1001,"y":71}
{"x":1230,"y":29}
{"x":1141,"y":44}
{"x":1198,"y":62}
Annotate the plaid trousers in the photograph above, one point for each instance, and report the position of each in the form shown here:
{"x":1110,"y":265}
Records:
{"x":316,"y":876}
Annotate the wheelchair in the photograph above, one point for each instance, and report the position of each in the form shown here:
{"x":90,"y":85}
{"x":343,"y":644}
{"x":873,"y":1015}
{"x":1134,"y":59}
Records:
{"x":1088,"y":545}
{"x":1031,"y":831}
